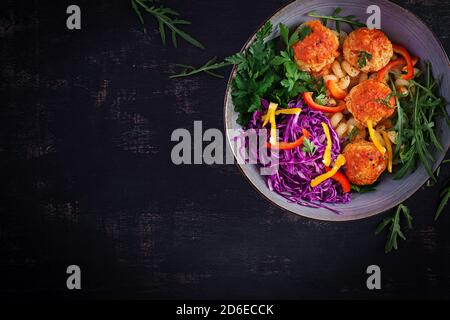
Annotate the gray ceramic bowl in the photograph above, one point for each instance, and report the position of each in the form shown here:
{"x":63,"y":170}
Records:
{"x":402,"y":27}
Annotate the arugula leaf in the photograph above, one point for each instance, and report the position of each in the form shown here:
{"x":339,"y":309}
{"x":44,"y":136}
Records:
{"x":166,"y":18}
{"x":386,"y":101}
{"x":445,"y":196}
{"x":363,"y":56}
{"x":349,"y":19}
{"x":309,"y":146}
{"x":394,"y":227}
{"x":206,"y":68}
{"x":416,"y":133}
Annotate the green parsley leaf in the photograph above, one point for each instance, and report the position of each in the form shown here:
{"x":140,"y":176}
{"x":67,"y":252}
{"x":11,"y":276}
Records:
{"x":309,"y":146}
{"x":321,"y":99}
{"x":363,"y":56}
{"x":303,"y":32}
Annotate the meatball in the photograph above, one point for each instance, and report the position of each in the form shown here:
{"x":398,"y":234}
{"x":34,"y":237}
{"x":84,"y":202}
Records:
{"x":369,"y":50}
{"x":363,"y":162}
{"x":318,"y":49}
{"x":367,"y":101}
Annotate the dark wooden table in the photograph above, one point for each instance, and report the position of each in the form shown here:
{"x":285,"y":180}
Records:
{"x":86,"y":178}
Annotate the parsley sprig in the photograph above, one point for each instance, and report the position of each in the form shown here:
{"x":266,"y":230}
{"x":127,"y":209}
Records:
{"x":293,"y":81}
{"x":166,"y":18}
{"x":309,"y":147}
{"x":394,"y":223}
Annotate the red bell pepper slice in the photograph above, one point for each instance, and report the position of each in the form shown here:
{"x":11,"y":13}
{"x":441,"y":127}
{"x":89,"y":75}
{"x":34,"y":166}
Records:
{"x":290,"y":145}
{"x":308,"y":98}
{"x":341,"y":179}
{"x":409,"y":62}
{"x":389,"y":67}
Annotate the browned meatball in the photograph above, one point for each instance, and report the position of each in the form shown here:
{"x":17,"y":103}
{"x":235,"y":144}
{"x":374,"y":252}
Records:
{"x":318,"y":49}
{"x":366,"y":101}
{"x":367,"y":49}
{"x":364,"y":163}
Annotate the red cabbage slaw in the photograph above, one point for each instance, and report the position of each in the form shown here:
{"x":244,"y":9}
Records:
{"x":296,"y":167}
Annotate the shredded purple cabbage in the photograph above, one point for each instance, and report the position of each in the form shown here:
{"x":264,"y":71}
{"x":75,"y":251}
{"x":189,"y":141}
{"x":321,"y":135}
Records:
{"x":297,"y":168}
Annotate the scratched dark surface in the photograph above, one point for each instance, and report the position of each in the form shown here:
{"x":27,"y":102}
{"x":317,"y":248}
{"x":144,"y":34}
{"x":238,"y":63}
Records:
{"x":86,"y":178}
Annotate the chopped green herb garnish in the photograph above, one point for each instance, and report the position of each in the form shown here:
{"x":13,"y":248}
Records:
{"x":353,"y":133}
{"x":363,"y":56}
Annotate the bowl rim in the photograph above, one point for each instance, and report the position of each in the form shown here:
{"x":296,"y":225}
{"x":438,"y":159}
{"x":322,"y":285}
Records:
{"x":335,"y":217}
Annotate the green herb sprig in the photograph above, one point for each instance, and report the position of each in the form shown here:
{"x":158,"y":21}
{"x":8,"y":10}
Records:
{"x":206,"y":68}
{"x":349,"y":19}
{"x":166,"y":18}
{"x":362,"y":189}
{"x":445,"y":196}
{"x":309,"y":147}
{"x":395,"y":227}
{"x":353,"y":133}
{"x":293,"y":81}
{"x":415,"y":122}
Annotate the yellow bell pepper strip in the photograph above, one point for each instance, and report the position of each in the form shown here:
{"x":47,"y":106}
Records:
{"x":387,"y":142}
{"x":327,"y":153}
{"x":272,"y":108}
{"x":288,"y":111}
{"x":273,"y":129}
{"x":270,"y":117}
{"x":374,"y":138}
{"x":340,"y":161}
{"x":295,"y":111}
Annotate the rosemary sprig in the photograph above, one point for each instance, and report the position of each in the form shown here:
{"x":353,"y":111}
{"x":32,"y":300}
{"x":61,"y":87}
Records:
{"x":166,"y":18}
{"x":394,"y":227}
{"x":350,"y":19}
{"x":206,"y":68}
